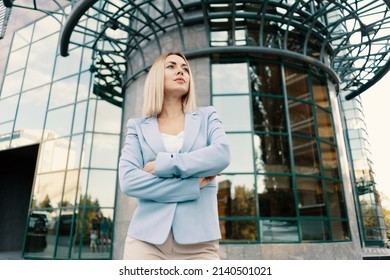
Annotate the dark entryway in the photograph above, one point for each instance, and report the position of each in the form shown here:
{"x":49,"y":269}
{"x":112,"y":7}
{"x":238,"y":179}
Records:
{"x":17,"y":168}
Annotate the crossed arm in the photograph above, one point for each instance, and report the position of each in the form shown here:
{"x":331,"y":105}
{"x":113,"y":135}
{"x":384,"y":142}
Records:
{"x":173,"y":177}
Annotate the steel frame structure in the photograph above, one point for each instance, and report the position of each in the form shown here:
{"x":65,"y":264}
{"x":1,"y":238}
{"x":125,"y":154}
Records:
{"x":347,"y":39}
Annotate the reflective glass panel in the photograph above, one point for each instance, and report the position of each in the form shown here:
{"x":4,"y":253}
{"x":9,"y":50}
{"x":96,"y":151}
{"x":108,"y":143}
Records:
{"x":12,"y":84}
{"x":53,"y":155}
{"x":320,"y":94}
{"x":325,"y":129}
{"x":278,"y":231}
{"x":340,"y":231}
{"x":297,"y":84}
{"x":241,"y":153}
{"x":45,"y":27}
{"x":236,"y":196}
{"x":301,"y":118}
{"x":315,"y":230}
{"x":225,"y":105}
{"x":306,"y":156}
{"x":238,"y":230}
{"x":59,"y":121}
{"x":5,"y":134}
{"x":329,"y":160}
{"x":71,"y":188}
{"x":265,"y":78}
{"x":101,"y":187}
{"x":66,"y":66}
{"x":79,"y":117}
{"x":275,"y":196}
{"x":86,"y":156}
{"x":336,"y":200}
{"x":32,"y":109}
{"x":108,"y":117}
{"x":272,"y":153}
{"x":48,"y":190}
{"x":63,"y":92}
{"x":83,"y":90}
{"x":17,"y":60}
{"x":22,"y":37}
{"x":40,"y":62}
{"x":68,"y":222}
{"x":8,"y":108}
{"x":40,"y":238}
{"x":75,"y":152}
{"x":268,"y":114}
{"x":311,"y":197}
{"x":230,"y":78}
{"x":105,"y":151}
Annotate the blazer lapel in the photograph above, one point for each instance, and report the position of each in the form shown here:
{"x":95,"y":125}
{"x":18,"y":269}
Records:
{"x":191,"y":131}
{"x":151,"y":133}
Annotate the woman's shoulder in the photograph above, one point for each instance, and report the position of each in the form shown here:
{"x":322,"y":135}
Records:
{"x":206,"y":110}
{"x":136,"y":121}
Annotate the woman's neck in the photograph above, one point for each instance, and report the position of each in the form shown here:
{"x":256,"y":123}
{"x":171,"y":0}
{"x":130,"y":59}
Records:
{"x":170,"y":111}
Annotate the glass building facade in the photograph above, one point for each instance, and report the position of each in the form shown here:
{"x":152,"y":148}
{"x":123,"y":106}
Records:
{"x":47,"y":102}
{"x":300,"y":183}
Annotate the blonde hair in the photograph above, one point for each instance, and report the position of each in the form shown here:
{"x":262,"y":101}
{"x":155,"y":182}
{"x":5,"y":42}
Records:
{"x":154,"y":88}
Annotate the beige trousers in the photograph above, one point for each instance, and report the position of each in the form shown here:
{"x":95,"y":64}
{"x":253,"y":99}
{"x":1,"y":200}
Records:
{"x":170,"y":250}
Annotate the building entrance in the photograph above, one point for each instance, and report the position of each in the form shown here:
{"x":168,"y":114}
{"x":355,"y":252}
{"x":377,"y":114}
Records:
{"x":17,"y":168}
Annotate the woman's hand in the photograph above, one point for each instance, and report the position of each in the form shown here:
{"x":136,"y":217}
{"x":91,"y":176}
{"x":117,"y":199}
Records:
{"x":150,"y":167}
{"x":204,"y":181}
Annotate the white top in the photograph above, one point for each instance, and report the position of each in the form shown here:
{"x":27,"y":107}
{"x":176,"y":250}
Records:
{"x":173,"y":143}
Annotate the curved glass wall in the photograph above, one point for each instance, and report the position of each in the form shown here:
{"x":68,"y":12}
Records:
{"x":48,"y":100}
{"x":283,"y":184}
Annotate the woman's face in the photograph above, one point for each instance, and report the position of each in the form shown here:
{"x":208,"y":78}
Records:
{"x":176,"y":77}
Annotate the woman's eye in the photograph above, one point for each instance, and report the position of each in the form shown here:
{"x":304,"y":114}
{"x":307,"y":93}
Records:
{"x":187,"y":70}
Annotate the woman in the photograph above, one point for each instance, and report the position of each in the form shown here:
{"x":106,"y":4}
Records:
{"x":169,"y":162}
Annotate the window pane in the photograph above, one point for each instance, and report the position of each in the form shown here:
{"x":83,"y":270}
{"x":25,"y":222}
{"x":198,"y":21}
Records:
{"x":17,"y":60}
{"x":22,"y":37}
{"x":278,"y":231}
{"x":79,"y":117}
{"x":233,"y":122}
{"x":340,"y":231}
{"x":319,"y":93}
{"x":265,"y":78}
{"x":48,"y":190}
{"x":83,"y":90}
{"x":329,"y":160}
{"x":314,"y":230}
{"x":66,"y":229}
{"x":32,"y":109}
{"x":71,"y":188}
{"x":69,"y":65}
{"x":325,"y":129}
{"x":59,"y":121}
{"x":276,"y":196}
{"x":40,"y":62}
{"x":45,"y":26}
{"x":240,"y":153}
{"x":53,"y":155}
{"x":12,"y":84}
{"x":311,"y":197}
{"x":230,"y":78}
{"x":268,"y":114}
{"x":101,"y":187}
{"x":271,"y":153}
{"x":105,"y":151}
{"x":108,"y":117}
{"x":238,"y":230}
{"x":336,"y":199}
{"x":63,"y":92}
{"x":305,"y":156}
{"x":8,"y":108}
{"x":236,"y":196}
{"x":75,"y":152}
{"x":301,"y":118}
{"x":297,"y":84}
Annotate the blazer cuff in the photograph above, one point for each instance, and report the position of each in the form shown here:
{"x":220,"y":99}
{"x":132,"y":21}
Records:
{"x":165,"y":165}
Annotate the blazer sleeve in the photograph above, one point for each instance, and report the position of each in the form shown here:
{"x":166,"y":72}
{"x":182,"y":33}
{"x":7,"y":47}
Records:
{"x":203,"y":162}
{"x":137,"y":183}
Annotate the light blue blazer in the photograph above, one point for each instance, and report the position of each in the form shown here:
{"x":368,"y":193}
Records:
{"x":171,"y":198}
